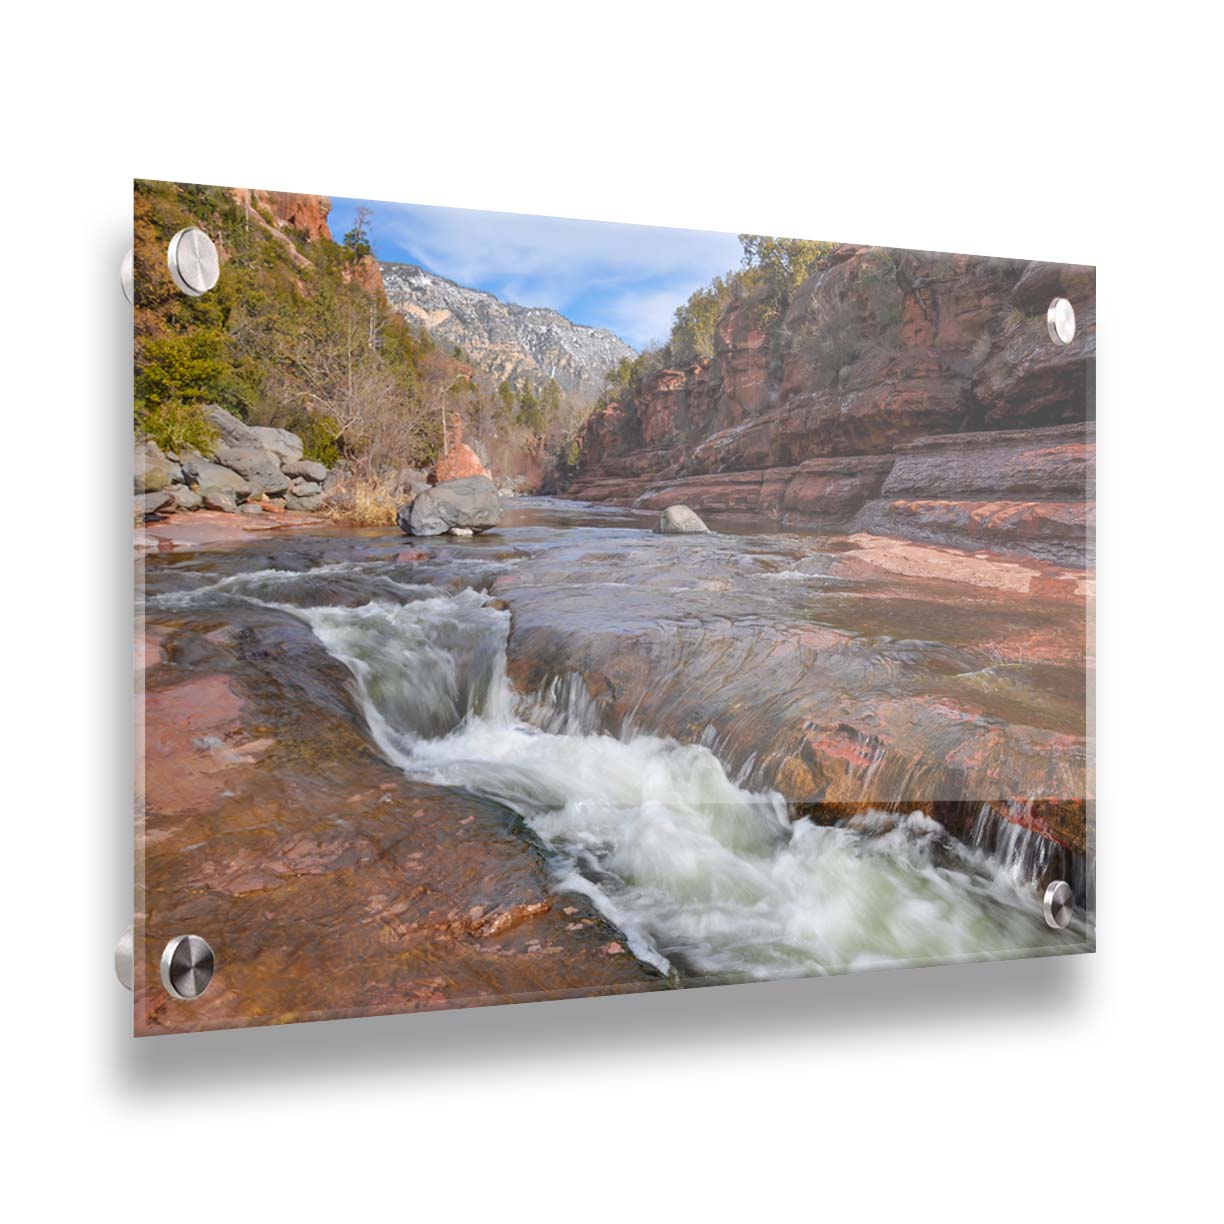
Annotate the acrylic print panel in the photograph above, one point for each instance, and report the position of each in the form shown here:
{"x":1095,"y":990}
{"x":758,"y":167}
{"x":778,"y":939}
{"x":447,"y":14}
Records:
{"x":532,"y":608}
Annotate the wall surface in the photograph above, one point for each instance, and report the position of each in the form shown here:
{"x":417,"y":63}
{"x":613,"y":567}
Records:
{"x":1068,"y":1088}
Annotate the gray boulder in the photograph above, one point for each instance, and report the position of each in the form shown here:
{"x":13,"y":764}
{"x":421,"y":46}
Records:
{"x":280,"y":442}
{"x":309,"y":504}
{"x":258,"y":467}
{"x":233,"y":431}
{"x":679,"y":520}
{"x":206,"y":476}
{"x":185,"y":498}
{"x":218,"y":499}
{"x":152,"y":471}
{"x":284,"y":445}
{"x":306,"y":488}
{"x":470,"y":502}
{"x":151,"y":503}
{"x":306,"y":469}
{"x":250,"y":508}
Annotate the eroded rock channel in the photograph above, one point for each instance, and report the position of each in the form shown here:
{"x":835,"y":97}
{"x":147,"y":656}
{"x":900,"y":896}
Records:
{"x":573,"y":756}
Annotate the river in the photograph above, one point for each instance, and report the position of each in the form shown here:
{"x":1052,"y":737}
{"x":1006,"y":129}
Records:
{"x":657,"y":709}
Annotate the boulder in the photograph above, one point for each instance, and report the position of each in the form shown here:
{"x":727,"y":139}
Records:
{"x":185,"y":498}
{"x":286,"y":446}
{"x":207,"y":476}
{"x":151,"y":503}
{"x":306,"y":488}
{"x":260,"y":468}
{"x":233,"y":431}
{"x":152,"y":471}
{"x":218,"y":499}
{"x":471,"y":502}
{"x":280,"y":442}
{"x":679,"y":520}
{"x":307,"y":469}
{"x":309,"y":504}
{"x":250,"y":508}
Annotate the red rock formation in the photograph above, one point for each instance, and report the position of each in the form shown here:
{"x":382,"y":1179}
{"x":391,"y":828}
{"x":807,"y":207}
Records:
{"x":879,"y":352}
{"x":460,"y":459}
{"x":367,"y":273}
{"x":304,"y":213}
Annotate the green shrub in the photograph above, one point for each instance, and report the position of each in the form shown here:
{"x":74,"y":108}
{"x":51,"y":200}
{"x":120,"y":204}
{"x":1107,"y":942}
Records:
{"x":177,"y":426}
{"x":320,"y":438}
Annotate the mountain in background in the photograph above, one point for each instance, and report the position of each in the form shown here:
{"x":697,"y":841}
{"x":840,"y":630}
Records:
{"x":511,"y":342}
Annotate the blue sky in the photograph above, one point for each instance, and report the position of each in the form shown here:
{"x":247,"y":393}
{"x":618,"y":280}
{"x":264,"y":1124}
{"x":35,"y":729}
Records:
{"x":627,"y":278}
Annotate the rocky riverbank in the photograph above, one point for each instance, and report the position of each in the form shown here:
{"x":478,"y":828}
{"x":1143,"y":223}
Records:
{"x":250,"y":470}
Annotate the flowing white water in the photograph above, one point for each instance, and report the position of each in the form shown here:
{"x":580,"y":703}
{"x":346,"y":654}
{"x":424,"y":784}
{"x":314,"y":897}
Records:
{"x":699,"y":873}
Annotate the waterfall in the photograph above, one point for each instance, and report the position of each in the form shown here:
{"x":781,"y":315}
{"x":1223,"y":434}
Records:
{"x":702,"y":875}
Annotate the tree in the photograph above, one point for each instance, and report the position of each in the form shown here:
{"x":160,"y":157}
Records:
{"x":692,"y":335}
{"x":781,"y":265}
{"x":360,"y":238}
{"x":530,"y":415}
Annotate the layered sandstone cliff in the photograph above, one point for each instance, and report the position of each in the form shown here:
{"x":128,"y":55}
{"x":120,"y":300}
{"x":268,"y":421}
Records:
{"x":907,"y":393}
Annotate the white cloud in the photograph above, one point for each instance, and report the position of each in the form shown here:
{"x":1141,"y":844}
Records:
{"x":628,"y":277}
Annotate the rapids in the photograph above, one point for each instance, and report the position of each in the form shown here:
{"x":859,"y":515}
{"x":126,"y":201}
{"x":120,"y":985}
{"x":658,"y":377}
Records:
{"x":702,"y":868}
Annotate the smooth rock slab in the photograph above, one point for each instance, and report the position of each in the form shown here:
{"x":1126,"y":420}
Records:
{"x":471,"y":502}
{"x":680,"y":520}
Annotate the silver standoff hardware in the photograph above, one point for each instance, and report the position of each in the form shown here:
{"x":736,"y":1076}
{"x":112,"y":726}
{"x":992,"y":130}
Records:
{"x":187,"y":966}
{"x":124,"y":957}
{"x":194,"y":264}
{"x":1060,"y":321}
{"x":126,"y":279}
{"x":1057,"y":904}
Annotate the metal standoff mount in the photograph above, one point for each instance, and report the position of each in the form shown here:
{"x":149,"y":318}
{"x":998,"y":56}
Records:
{"x":187,"y":966}
{"x":124,"y":958}
{"x":1060,"y":321}
{"x":126,"y":278}
{"x":195,"y":266}
{"x":1058,"y":904}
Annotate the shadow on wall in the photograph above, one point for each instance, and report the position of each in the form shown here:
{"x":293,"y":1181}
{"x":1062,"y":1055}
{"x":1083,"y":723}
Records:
{"x":879,"y":1006}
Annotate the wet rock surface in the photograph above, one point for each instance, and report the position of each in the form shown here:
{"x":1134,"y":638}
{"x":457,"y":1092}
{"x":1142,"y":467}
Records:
{"x":862,"y":670}
{"x":327,"y":883}
{"x":854,"y":674}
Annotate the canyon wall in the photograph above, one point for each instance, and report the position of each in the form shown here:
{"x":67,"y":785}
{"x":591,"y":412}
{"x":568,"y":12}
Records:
{"x":900,"y":393}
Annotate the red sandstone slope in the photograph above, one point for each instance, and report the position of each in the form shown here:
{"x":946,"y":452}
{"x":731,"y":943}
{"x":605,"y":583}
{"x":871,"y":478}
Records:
{"x":891,"y":373}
